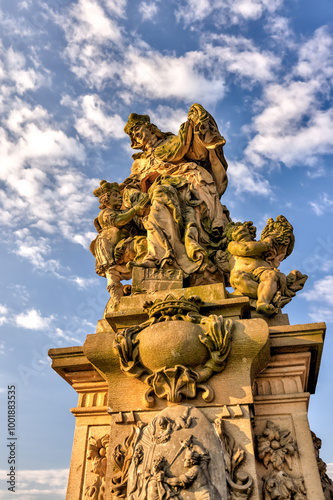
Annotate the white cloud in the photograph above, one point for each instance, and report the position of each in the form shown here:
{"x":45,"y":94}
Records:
{"x":279,"y":29}
{"x":33,"y":249}
{"x":318,"y":314}
{"x":225,"y":11}
{"x":322,"y":291}
{"x":244,"y":179}
{"x":294,"y":126}
{"x":33,"y":320}
{"x":136,"y":70}
{"x":240,"y":56}
{"x":3,"y":309}
{"x":93,"y":121}
{"x":15,"y":76}
{"x":189,"y":77}
{"x":321,"y":206}
{"x":148,"y":10}
{"x":65,"y":337}
{"x":116,"y":7}
{"x":83,"y":283}
{"x":44,"y":189}
{"x":87,"y":20}
{"x":168,"y":119}
{"x":40,"y":484}
{"x":330,"y":470}
{"x":88,"y":28}
{"x":316,"y":55}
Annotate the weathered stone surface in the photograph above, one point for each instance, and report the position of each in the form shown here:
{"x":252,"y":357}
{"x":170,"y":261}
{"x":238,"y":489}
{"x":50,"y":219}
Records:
{"x":145,"y":280}
{"x":254,"y":264}
{"x":185,"y":390}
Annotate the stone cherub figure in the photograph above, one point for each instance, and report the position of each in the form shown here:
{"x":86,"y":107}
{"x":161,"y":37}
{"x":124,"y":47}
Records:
{"x":254,"y":264}
{"x":120,"y":238}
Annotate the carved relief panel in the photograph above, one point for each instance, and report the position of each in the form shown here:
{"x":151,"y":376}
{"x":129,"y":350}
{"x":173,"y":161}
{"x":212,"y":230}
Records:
{"x":182,"y":454}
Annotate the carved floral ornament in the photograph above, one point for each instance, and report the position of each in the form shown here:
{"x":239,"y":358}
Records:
{"x":176,"y":350}
{"x":276,"y":448}
{"x":97,"y":457}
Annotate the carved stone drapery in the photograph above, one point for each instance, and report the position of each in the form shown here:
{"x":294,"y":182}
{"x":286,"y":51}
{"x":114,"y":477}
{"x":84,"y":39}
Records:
{"x":176,"y":350}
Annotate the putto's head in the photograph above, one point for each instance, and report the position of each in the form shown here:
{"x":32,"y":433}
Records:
{"x":240,"y":231}
{"x":109,"y":195}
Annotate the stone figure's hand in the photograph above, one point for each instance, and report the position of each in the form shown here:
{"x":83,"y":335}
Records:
{"x":141,"y":206}
{"x":172,"y":481}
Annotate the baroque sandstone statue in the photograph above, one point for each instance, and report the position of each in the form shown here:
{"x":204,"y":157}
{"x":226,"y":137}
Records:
{"x":254,"y":264}
{"x":167,"y":215}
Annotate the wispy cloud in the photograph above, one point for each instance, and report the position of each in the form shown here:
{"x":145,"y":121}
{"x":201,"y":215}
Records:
{"x":293,"y":118}
{"x":321,"y":206}
{"x":239,"y":56}
{"x":93,"y":119}
{"x":40,"y":484}
{"x":321,"y":295}
{"x":148,"y":10}
{"x":3,"y":314}
{"x":244,"y":179}
{"x":33,"y":320}
{"x":225,"y":11}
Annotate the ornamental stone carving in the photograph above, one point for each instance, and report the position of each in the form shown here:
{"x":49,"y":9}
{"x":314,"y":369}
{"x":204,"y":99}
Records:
{"x":177,"y":350}
{"x":326,"y":481}
{"x":167,"y":216}
{"x":97,"y":456}
{"x":254,"y":264}
{"x":275,"y":448}
{"x":179,"y":454}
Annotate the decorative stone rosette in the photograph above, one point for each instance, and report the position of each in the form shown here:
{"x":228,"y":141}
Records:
{"x":176,"y":350}
{"x":97,"y":456}
{"x":275,"y":448}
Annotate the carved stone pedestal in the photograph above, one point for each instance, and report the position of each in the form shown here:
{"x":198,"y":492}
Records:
{"x":187,"y":395}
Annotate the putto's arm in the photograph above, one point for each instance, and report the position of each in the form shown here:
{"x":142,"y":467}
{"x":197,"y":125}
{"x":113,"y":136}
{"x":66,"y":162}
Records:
{"x":249,"y":248}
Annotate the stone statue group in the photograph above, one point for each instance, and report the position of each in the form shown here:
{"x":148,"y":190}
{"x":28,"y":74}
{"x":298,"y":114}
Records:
{"x":167,"y":215}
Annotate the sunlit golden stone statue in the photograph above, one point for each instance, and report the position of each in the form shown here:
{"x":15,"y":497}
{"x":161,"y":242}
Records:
{"x":254,"y":264}
{"x":167,"y":215}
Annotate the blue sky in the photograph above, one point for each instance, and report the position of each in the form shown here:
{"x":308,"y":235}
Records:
{"x":70,"y":74}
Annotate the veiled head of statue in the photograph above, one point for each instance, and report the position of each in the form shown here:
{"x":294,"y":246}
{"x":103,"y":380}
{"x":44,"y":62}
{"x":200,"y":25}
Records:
{"x":142,"y":131}
{"x":135,"y":120}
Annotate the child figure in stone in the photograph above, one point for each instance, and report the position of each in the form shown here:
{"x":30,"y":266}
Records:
{"x":254,"y":264}
{"x":120,"y":238}
{"x":197,"y":473}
